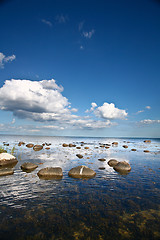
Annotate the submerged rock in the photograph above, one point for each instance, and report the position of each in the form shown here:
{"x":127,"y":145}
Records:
{"x":79,"y":155}
{"x":112,"y":162}
{"x":7,"y":159}
{"x":133,"y":149}
{"x":81,"y":172}
{"x":146,"y":151}
{"x":50,"y":173}
{"x":37,"y":147}
{"x":28,"y":166}
{"x":6,"y":171}
{"x":122,"y":167}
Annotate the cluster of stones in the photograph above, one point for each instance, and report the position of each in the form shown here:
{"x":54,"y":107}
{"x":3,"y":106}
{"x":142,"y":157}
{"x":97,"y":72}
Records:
{"x":122,"y":167}
{"x":7,"y":161}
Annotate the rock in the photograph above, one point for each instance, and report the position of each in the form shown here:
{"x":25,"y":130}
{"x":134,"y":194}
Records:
{"x":102,"y":146}
{"x":133,"y":149}
{"x":6,"y":144}
{"x":28,"y":166}
{"x":122,"y":167}
{"x":50,"y":173}
{"x":37,"y":147}
{"x":3,"y":151}
{"x":114,"y":143}
{"x":146,"y":151}
{"x":102,"y":159}
{"x":47,"y":148}
{"x":125,"y":146}
{"x":147,"y":141}
{"x":107,"y":147}
{"x":29,"y":145}
{"x":70,"y":145}
{"x":21,"y":143}
{"x":79,"y":155}
{"x":7,"y":159}
{"x":65,"y":145}
{"x":112,"y":162}
{"x":101,"y":168}
{"x":48,"y":144}
{"x":6,"y":171}
{"x":86,"y":147}
{"x":78,"y":147}
{"x":81,"y":172}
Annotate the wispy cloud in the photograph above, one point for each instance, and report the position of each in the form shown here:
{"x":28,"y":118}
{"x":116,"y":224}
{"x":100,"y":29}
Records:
{"x":47,"y":22}
{"x":4,"y":59}
{"x":88,"y":34}
{"x":61,"y":18}
{"x":148,"y":107}
{"x":141,"y":111}
{"x":149,"y":121}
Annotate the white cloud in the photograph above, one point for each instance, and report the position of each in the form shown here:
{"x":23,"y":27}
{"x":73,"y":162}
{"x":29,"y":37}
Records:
{"x":149,"y":121}
{"x":88,"y":34}
{"x":93,"y":106}
{"x":47,"y":22}
{"x":109,"y":111}
{"x":148,"y":107}
{"x":4,"y":59}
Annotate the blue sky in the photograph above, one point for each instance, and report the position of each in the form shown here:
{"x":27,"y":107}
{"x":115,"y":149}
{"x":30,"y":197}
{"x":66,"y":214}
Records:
{"x":83,"y":68}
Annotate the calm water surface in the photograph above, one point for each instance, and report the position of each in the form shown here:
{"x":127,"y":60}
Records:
{"x":108,"y":206}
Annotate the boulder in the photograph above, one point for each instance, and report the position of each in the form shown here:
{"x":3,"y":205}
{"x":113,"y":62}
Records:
{"x":70,"y":145}
{"x":50,"y":173}
{"x":147,"y":141}
{"x":78,"y":147}
{"x":6,"y":171}
{"x":122,"y":167}
{"x":112,"y":162}
{"x":28,"y":166}
{"x":21,"y":143}
{"x":81,"y":172}
{"x":86,"y":147}
{"x":114,"y":143}
{"x":79,"y":155}
{"x":7,"y":159}
{"x":37,"y":147}
{"x":47,"y":148}
{"x":29,"y":145}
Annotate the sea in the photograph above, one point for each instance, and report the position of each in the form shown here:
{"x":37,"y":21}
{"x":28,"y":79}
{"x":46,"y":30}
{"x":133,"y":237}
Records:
{"x":111,"y":205}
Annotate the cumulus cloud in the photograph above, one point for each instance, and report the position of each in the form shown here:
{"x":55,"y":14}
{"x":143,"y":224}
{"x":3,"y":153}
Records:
{"x":109,"y":111}
{"x":47,"y":22}
{"x":4,"y":59}
{"x":149,"y":121}
{"x":148,"y":107}
{"x":93,"y":106}
{"x":42,"y":101}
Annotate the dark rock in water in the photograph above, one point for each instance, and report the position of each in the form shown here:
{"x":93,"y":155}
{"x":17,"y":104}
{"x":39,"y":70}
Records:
{"x":6,"y":144}
{"x":78,"y":147}
{"x":6,"y":171}
{"x":37,"y":147}
{"x":125,"y":146}
{"x":81,"y":172}
{"x":47,"y":148}
{"x":122,"y":167}
{"x":146,"y":151}
{"x":147,"y":141}
{"x":50,"y":173}
{"x":102,"y":159}
{"x":114,"y":143}
{"x":107,"y":147}
{"x":21,"y":143}
{"x":70,"y":145}
{"x":133,"y":149}
{"x":112,"y":162}
{"x":7,"y":159}
{"x":79,"y":155}
{"x":28,"y":166}
{"x":29,"y":145}
{"x":101,"y":168}
{"x":86,"y":147}
{"x":65,"y":145}
{"x":48,"y":144}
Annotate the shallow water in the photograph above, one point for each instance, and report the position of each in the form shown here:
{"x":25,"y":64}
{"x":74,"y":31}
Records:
{"x":108,"y":206}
